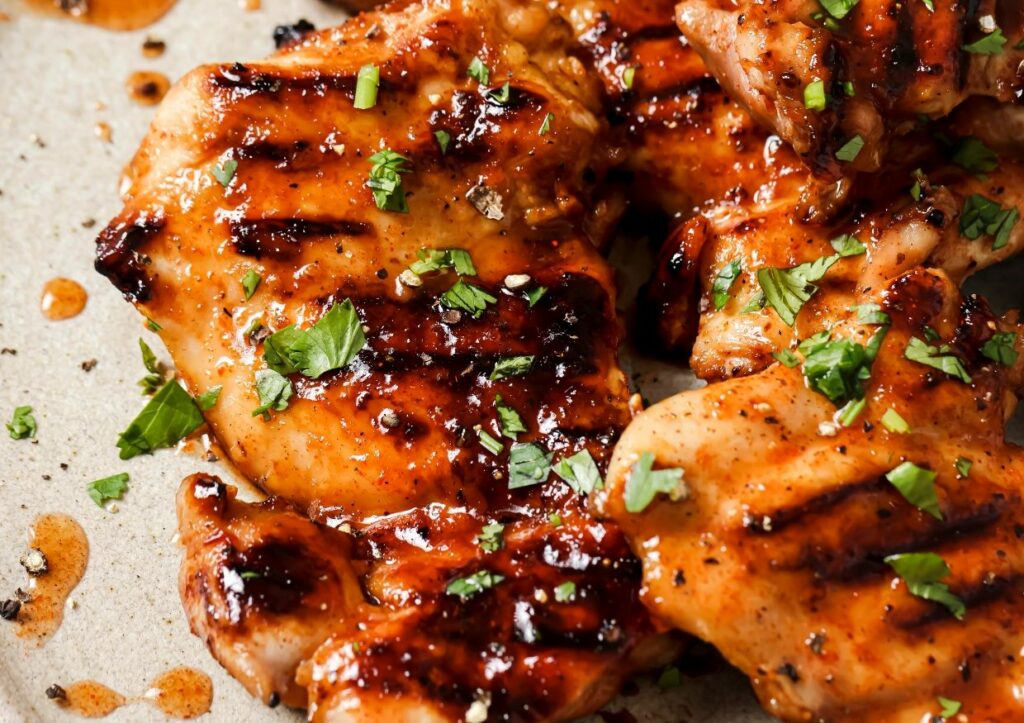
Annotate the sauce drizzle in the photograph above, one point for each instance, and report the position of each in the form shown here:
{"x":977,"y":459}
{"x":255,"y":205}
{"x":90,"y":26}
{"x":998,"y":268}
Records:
{"x":62,"y":299}
{"x":181,"y":693}
{"x":66,"y":548}
{"x":109,"y":14}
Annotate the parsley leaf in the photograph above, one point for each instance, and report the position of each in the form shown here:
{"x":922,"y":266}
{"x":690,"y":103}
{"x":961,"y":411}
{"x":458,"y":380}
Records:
{"x":367,"y":83}
{"x":815,"y":97}
{"x":848,"y":245}
{"x":534,"y":295}
{"x":670,"y":678}
{"x":170,"y":416}
{"x":922,"y":572}
{"x":331,"y":343}
{"x":645,"y":483}
{"x":628,"y":77}
{"x":509,"y":419}
{"x":108,"y":488}
{"x":467,"y":587}
{"x":565,"y":592}
{"x":850,"y":150}
{"x":851,"y":410}
{"x":723,"y":282}
{"x":917,"y":485}
{"x":991,"y":44}
{"x":208,"y":399}
{"x":225,"y":171}
{"x":871,"y":314}
{"x":491,"y":538}
{"x":444,"y":138}
{"x":936,"y":358}
{"x":528,"y":464}
{"x":479,"y":72}
{"x":839,"y":9}
{"x":963,"y":466}
{"x":1000,"y":348}
{"x":23,"y":424}
{"x":274,"y":391}
{"x":949,"y":707}
{"x":787,"y":290}
{"x":152,"y":381}
{"x":893,"y":422}
{"x":580,"y":472}
{"x":786,"y":358}
{"x":984,"y":217}
{"x":251,"y":282}
{"x":468,"y":298}
{"x":438,"y":259}
{"x":502,"y":95}
{"x":488,"y":441}
{"x":385,"y":181}
{"x":971,"y":154}
{"x":545,"y":127}
{"x":511,"y":366}
{"x":837,"y":368}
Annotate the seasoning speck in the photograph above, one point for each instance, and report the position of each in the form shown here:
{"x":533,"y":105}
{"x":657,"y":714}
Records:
{"x":487,"y":201}
{"x":55,"y":692}
{"x":34,"y":562}
{"x":9,"y":609}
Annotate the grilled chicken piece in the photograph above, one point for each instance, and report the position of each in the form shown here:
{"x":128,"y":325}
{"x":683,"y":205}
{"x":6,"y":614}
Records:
{"x":738,"y":338}
{"x":261,"y":584}
{"x":775,"y":548}
{"x":403,"y":443}
{"x":881,"y":65}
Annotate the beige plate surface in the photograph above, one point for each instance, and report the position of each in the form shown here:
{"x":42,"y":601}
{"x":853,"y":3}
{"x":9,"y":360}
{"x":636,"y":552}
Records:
{"x":57,"y":80}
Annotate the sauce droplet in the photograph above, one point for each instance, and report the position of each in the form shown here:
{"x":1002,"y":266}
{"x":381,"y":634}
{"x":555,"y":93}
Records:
{"x":62,"y":299}
{"x":63,"y":543}
{"x":181,"y":693}
{"x":109,"y":14}
{"x":147,"y":87}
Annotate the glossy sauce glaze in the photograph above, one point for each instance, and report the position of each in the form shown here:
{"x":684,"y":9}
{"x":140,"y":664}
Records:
{"x":63,"y":543}
{"x":181,"y":693}
{"x":147,"y":87}
{"x":62,"y":299}
{"x":109,"y":14}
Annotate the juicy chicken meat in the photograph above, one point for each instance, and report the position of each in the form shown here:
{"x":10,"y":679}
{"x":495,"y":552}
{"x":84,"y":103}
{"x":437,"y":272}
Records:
{"x":774,"y":544}
{"x":402,"y":446}
{"x":734,"y":337}
{"x":873,"y":72}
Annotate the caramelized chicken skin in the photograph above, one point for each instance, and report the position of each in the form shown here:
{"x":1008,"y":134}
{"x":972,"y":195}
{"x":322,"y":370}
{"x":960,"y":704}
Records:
{"x":873,"y":67}
{"x":775,"y":548}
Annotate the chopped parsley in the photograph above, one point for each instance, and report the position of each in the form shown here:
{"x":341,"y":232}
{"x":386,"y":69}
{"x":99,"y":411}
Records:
{"x":645,"y":483}
{"x":917,"y":485}
{"x":922,"y":572}
{"x":502,"y":95}
{"x":170,"y":416}
{"x":948,"y":707}
{"x":555,"y":519}
{"x":479,"y":72}
{"x":491,"y":537}
{"x":893,"y":422}
{"x":848,"y":245}
{"x":251,"y":282}
{"x":23,"y":424}
{"x":444,"y":138}
{"x":208,"y":399}
{"x":467,"y":587}
{"x":963,"y":466}
{"x":331,"y":343}
{"x":545,"y":127}
{"x":511,"y":366}
{"x":971,"y":154}
{"x":850,"y":150}
{"x":723,"y":282}
{"x":991,"y":44}
{"x":670,"y":678}
{"x":534,"y":295}
{"x":152,"y":381}
{"x":565,"y":592}
{"x":367,"y":83}
{"x":152,"y":325}
{"x":936,"y":358}
{"x":385,"y":181}
{"x":1000,"y":348}
{"x":225,"y":171}
{"x":274,"y":391}
{"x":466,"y":297}
{"x":815,"y":97}
{"x":628,"y":77}
{"x":510,"y":421}
{"x":492,"y":445}
{"x":839,"y":9}
{"x":440,"y":259}
{"x":108,"y":488}
{"x":528,"y":465}
{"x":871,"y":314}
{"x":787,"y":358}
{"x":836,"y":368}
{"x":984,"y":217}
{"x":787,"y":290}
{"x":580,"y":472}
{"x":850,"y":411}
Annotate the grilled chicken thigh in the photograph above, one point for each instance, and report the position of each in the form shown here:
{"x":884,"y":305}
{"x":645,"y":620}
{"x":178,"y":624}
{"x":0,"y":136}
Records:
{"x":773,"y":531}
{"x":425,"y":329}
{"x":836,"y":80}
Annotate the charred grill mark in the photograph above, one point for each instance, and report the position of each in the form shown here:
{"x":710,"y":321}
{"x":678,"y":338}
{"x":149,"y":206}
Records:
{"x":917,"y":297}
{"x":976,"y":326}
{"x":775,"y":522}
{"x":282,"y":238}
{"x":251,"y":81}
{"x":273,"y":577}
{"x":986,"y":590}
{"x":901,"y":57}
{"x":284,"y":156}
{"x":472,"y":120}
{"x":118,"y":255}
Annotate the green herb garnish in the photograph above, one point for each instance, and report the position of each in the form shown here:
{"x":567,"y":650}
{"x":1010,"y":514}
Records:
{"x":991,"y":44}
{"x":208,"y":399}
{"x":170,"y":416}
{"x":331,"y":343}
{"x":893,"y":422}
{"x":723,"y":282}
{"x":511,"y":366}
{"x":444,"y":138}
{"x":922,"y":573}
{"x":251,"y":282}
{"x":508,"y":418}
{"x":580,"y":472}
{"x":108,"y":488}
{"x":225,"y":171}
{"x":645,"y":483}
{"x":479,"y":72}
{"x":815,"y":97}
{"x":1001,"y":348}
{"x":492,"y":445}
{"x":467,"y":297}
{"x":850,"y":150}
{"x":787,"y":290}
{"x":386,"y":182}
{"x":917,"y":485}
{"x":274,"y":390}
{"x":984,"y":217}
{"x":528,"y":464}
{"x":367,"y":83}
{"x":23,"y":424}
{"x":565,"y":592}
{"x":936,"y":358}
{"x":491,"y":537}
{"x":467,"y":587}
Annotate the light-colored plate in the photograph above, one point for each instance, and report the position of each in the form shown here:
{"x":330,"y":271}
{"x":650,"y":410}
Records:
{"x":57,"y":80}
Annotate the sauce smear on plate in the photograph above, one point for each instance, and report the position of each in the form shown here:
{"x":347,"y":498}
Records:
{"x":109,"y":14}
